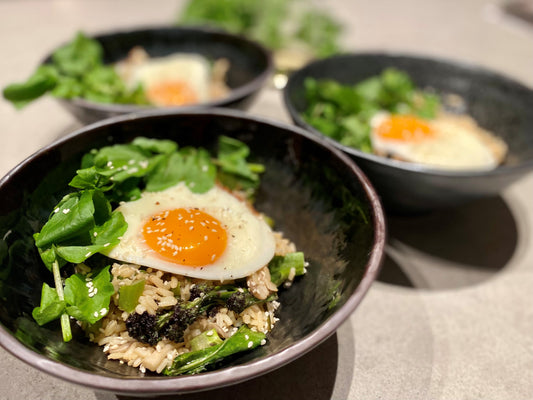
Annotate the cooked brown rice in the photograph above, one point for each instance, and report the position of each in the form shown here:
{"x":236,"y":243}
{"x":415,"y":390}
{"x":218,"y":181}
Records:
{"x":160,"y":292}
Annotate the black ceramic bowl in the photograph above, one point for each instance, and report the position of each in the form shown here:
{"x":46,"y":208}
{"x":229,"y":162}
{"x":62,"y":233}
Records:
{"x":497,"y":103}
{"x":250,"y":64}
{"x":318,"y":197}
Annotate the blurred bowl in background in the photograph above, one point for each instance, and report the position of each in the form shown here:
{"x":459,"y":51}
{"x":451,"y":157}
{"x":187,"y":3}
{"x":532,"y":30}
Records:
{"x":250,"y":65}
{"x":316,"y":195}
{"x":497,"y":103}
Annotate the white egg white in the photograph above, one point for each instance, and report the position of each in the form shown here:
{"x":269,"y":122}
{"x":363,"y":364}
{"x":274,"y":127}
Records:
{"x":250,"y":241}
{"x":454,"y":145}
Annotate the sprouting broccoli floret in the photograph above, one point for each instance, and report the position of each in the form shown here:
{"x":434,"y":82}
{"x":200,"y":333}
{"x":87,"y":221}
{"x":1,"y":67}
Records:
{"x":199,"y":290}
{"x":242,"y":299}
{"x":171,"y":324}
{"x":180,"y":318}
{"x":143,"y":327}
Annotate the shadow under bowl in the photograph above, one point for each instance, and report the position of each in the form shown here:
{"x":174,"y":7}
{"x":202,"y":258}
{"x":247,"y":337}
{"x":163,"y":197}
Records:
{"x":316,"y":195}
{"x":497,"y":103}
{"x":250,"y":67}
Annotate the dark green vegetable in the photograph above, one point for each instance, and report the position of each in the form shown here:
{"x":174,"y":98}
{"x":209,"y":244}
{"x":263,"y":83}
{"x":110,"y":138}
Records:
{"x":343,"y":112}
{"x":75,"y":70}
{"x":205,"y":339}
{"x":51,"y":306}
{"x":197,"y":361}
{"x":43,"y":80}
{"x":280,"y":267}
{"x":172,"y":323}
{"x":87,"y":296}
{"x":275,"y":23}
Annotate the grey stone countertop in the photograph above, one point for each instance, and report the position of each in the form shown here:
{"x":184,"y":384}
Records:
{"x":451,"y":316}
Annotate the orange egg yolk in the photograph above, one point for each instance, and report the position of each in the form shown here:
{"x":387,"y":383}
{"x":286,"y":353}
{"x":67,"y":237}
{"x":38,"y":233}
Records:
{"x":175,"y":93}
{"x":406,"y":128}
{"x":186,"y":236}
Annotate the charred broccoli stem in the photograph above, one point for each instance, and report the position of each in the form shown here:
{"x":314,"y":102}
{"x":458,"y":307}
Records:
{"x":171,"y":324}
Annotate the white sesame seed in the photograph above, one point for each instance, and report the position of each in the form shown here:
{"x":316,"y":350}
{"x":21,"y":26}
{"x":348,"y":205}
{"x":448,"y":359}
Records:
{"x":209,"y":333}
{"x":191,"y":228}
{"x":205,"y":237}
{"x":246,"y":337}
{"x":263,"y":342}
{"x":56,"y":210}
{"x":107,"y":244}
{"x":88,"y":254}
{"x":250,"y":344}
{"x":95,"y":234}
{"x":66,"y":211}
{"x":96,"y":314}
{"x":103,"y":311}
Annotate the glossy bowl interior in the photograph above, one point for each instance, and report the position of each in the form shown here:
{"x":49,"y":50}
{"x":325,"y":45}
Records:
{"x":315,"y":194}
{"x":250,"y":64}
{"x":497,"y":103}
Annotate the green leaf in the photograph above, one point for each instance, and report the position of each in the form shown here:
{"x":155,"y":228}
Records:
{"x":88,"y":297}
{"x":280,"y":267}
{"x":205,"y":339}
{"x":197,"y":361}
{"x":71,"y":217}
{"x":189,"y":165}
{"x":128,"y":295}
{"x":51,"y":306}
{"x":235,"y":171}
{"x":43,"y":80}
{"x":155,"y":146}
{"x":103,"y":238}
{"x":79,"y":56}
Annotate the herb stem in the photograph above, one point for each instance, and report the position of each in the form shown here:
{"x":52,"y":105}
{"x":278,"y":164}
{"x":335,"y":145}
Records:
{"x":65,"y":321}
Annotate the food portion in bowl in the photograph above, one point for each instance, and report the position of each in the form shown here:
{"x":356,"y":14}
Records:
{"x":170,"y":268}
{"x":77,"y":70}
{"x":388,"y":116}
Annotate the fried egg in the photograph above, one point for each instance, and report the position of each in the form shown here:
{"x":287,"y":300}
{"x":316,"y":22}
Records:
{"x":447,"y":142}
{"x":211,"y":235}
{"x":174,"y":80}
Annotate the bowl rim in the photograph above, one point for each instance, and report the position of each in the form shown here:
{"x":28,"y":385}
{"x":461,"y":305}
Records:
{"x":234,"y":374}
{"x":234,"y":95}
{"x":392,"y":163}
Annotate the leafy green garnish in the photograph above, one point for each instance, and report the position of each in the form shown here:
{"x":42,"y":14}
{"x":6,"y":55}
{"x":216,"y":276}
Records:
{"x":88,"y":297}
{"x":280,"y":267}
{"x":197,"y":361}
{"x":343,"y":112}
{"x":235,"y":172}
{"x":275,"y":23}
{"x":128,"y":295}
{"x":189,"y":165}
{"x":204,"y":340}
{"x":51,"y":306}
{"x":75,"y":70}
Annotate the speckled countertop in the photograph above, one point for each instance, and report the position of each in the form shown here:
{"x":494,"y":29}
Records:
{"x":451,"y":316}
